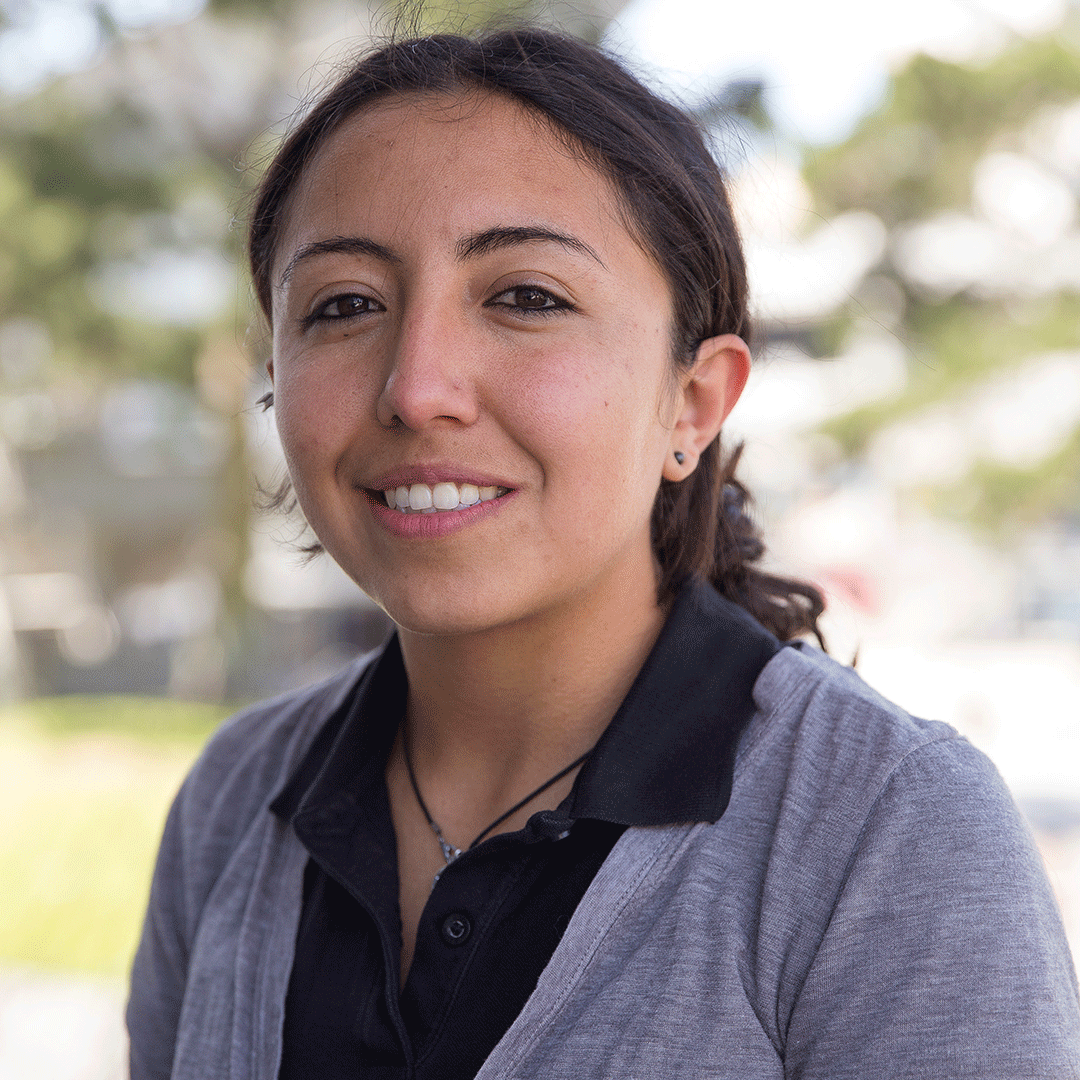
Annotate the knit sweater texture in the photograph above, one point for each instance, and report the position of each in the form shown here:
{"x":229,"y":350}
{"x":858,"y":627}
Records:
{"x":870,"y":905}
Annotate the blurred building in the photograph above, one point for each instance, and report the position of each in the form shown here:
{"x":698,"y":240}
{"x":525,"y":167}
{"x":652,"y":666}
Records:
{"x":116,"y":531}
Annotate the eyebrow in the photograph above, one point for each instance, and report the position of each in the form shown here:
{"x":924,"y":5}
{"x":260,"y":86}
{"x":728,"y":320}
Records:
{"x":339,"y":245}
{"x":504,"y":236}
{"x":468,"y":247}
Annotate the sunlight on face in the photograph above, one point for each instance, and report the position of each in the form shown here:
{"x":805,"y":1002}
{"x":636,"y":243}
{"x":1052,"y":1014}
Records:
{"x":457,"y":306}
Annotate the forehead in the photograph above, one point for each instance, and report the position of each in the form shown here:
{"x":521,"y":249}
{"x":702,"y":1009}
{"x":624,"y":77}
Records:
{"x":450,"y":160}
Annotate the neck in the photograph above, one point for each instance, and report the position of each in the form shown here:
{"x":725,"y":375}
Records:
{"x":510,"y":706}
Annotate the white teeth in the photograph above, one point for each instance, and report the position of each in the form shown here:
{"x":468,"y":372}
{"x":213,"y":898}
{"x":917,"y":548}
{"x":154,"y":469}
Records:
{"x":419,"y":497}
{"x":444,"y":496}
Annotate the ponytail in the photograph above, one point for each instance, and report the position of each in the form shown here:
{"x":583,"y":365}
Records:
{"x":701,"y":528}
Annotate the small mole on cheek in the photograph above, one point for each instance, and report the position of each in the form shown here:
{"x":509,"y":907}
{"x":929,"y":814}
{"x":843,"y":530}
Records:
{"x":605,"y":404}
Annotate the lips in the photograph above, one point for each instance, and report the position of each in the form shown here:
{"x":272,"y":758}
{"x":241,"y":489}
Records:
{"x":430,"y":523}
{"x":435,"y":486}
{"x":420,"y":498}
{"x":435,"y":499}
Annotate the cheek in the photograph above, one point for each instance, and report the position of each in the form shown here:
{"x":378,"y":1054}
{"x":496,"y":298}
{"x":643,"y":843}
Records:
{"x":596,"y":415}
{"x":554,"y":399}
{"x":310,"y":421}
{"x":294,"y":410}
{"x":316,"y":398}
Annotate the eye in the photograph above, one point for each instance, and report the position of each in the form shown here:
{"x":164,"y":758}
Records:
{"x":529,"y":300}
{"x":346,"y":306}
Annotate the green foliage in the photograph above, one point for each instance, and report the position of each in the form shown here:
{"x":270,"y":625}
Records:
{"x":956,"y":343}
{"x":827,"y":337}
{"x":910,"y":160}
{"x":77,"y":873}
{"x":73,"y":195}
{"x":454,"y":16}
{"x":998,"y":499}
{"x":257,"y":8}
{"x":914,"y":156}
{"x":62,"y":163}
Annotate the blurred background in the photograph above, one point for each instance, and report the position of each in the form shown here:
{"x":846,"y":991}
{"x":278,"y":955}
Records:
{"x":906,"y":177}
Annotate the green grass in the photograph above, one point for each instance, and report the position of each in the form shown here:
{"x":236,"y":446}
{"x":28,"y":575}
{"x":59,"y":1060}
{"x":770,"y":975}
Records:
{"x":85,"y":784}
{"x":154,"y":721}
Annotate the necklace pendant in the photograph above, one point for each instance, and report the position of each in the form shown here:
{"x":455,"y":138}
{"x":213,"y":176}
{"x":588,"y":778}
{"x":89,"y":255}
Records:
{"x":449,"y":852}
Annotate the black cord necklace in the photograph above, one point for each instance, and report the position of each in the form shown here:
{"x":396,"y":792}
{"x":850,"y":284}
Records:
{"x":449,"y":852}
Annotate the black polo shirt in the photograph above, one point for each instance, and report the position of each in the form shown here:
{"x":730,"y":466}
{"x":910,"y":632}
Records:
{"x":497,"y":913}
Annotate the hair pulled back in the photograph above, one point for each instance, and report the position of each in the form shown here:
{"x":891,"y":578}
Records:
{"x":674,"y":203}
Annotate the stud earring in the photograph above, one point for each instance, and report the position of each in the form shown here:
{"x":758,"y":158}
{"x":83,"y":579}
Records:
{"x":680,"y":457}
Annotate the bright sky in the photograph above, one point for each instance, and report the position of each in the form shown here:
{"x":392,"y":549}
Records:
{"x":44,"y":38}
{"x":826,"y":62}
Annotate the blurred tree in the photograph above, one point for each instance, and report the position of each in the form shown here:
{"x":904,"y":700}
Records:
{"x":933,"y":162}
{"x":123,"y":190}
{"x":915,"y":154}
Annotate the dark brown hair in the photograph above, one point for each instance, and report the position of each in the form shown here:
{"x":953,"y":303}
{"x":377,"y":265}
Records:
{"x":675,"y":204}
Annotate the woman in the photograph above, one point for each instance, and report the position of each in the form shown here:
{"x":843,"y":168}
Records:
{"x":583,"y":816}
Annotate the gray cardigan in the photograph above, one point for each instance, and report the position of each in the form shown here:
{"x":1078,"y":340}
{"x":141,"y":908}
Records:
{"x":869,"y":906}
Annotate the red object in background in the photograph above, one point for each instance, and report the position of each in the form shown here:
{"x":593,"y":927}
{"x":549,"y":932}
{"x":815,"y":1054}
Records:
{"x":852,"y":584}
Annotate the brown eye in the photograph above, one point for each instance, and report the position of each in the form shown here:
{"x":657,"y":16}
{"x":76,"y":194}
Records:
{"x":533,"y":299}
{"x":346,"y":307}
{"x":530,"y":299}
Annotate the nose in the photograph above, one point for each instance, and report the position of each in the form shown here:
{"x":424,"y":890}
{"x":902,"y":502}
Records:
{"x":431,"y":373}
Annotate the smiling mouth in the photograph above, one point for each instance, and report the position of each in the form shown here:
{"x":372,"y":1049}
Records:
{"x":443,"y":497}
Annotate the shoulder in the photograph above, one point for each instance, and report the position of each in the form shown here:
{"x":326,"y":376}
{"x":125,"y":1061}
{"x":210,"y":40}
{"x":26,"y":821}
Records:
{"x":850,"y":754}
{"x":803,"y":684}
{"x":892,"y":878}
{"x":841,"y":772}
{"x":220,"y":811}
{"x":833,"y":732}
{"x":251,"y":756}
{"x":846,"y":798}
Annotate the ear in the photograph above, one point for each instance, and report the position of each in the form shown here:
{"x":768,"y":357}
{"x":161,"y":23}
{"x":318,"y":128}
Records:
{"x":709,"y":390}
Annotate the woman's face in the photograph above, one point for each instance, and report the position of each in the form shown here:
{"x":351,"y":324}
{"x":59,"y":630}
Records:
{"x":458,"y":307}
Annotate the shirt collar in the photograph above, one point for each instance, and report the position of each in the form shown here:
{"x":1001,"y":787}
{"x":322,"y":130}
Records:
{"x":349,"y":753}
{"x":667,"y":756}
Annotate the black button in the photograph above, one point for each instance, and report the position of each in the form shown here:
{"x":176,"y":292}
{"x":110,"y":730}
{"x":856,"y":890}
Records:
{"x":456,"y":928}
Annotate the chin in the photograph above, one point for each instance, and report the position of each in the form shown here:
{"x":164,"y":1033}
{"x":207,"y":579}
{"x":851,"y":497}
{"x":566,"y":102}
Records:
{"x":439,"y":611}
